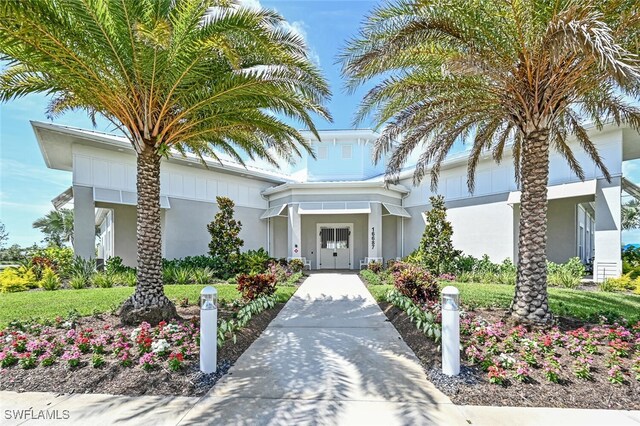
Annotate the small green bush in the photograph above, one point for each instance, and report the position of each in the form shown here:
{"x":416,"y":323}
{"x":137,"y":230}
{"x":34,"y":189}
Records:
{"x":374,"y":267}
{"x":182,"y":276}
{"x":50,"y":280}
{"x":11,"y":281}
{"x":102,"y":280}
{"x":127,"y":278}
{"x":82,"y":267}
{"x":256,"y":261}
{"x":77,"y":282}
{"x":370,"y":277}
{"x":255,"y":285}
{"x":567,"y":275}
{"x":623,"y":283}
{"x":202,"y":275}
{"x":114,"y":265}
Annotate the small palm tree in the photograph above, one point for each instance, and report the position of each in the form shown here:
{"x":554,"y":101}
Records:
{"x":57,"y":226}
{"x":198,"y":76}
{"x":631,"y":215}
{"x":518,"y":75}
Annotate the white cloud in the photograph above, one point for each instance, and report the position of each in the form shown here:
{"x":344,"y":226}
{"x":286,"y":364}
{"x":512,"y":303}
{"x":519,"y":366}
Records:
{"x":35,"y":174}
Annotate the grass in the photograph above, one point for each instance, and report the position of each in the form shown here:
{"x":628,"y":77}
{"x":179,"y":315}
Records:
{"x":570,"y":303}
{"x":50,"y":304}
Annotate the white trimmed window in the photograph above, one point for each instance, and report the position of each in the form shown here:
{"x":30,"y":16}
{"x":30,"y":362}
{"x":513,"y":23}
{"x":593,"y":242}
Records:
{"x":323,"y":153}
{"x":347,"y":152}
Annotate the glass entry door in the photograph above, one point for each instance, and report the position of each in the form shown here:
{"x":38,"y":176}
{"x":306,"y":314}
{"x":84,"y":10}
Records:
{"x":335,"y":250}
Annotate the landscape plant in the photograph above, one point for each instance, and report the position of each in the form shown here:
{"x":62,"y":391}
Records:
{"x":435,"y":251}
{"x":252,"y":286}
{"x":185,"y":76}
{"x":443,"y":73}
{"x":225,"y":230}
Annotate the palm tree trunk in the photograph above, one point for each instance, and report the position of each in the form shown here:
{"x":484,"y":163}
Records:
{"x":530,"y":303}
{"x":148,"y":303}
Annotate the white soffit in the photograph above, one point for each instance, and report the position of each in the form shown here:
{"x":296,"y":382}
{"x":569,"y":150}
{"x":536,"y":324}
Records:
{"x":396,"y":210}
{"x":556,"y":192}
{"x":117,"y":196}
{"x":335,"y":207}
{"x":273,"y":212}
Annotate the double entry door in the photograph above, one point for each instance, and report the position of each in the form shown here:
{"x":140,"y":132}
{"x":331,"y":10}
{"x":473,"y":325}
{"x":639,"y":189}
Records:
{"x":335,"y":247}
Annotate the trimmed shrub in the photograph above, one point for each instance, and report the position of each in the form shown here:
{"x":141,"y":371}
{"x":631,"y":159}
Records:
{"x":370,"y":277}
{"x":255,"y":285}
{"x":11,"y":281}
{"x":417,"y":284}
{"x":114,"y":265}
{"x":623,"y":283}
{"x":50,"y":280}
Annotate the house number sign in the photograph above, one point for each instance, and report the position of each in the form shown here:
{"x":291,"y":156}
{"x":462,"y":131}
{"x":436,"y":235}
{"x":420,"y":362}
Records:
{"x":373,"y":238}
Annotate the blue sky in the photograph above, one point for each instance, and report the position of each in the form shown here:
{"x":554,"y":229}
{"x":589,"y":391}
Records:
{"x":27,"y":186}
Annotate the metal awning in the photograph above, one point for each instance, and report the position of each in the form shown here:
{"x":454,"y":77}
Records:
{"x":396,"y":210}
{"x":631,"y":188}
{"x":556,"y":192}
{"x":335,"y":207}
{"x":273,"y":211}
{"x":62,"y":199}
{"x":117,"y":196}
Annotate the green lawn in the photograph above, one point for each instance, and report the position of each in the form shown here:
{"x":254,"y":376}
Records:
{"x":572,"y":303}
{"x":49,"y":304}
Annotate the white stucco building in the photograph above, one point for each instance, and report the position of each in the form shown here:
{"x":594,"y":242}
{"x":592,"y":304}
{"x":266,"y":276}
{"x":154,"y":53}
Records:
{"x":336,"y":210}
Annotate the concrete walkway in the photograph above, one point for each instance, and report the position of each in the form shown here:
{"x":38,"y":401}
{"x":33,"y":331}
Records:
{"x":330,"y":357}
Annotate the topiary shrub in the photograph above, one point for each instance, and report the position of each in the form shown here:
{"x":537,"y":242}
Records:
{"x":225,"y":231}
{"x":255,"y":285}
{"x":417,"y":284}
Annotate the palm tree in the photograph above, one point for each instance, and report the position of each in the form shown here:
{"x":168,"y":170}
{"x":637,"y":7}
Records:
{"x":198,"y":76}
{"x":505,"y":75}
{"x":57,"y":226}
{"x":631,"y":215}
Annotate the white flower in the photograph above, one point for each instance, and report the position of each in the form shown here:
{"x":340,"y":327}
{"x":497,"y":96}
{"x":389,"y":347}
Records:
{"x":172,"y":328}
{"x":134,"y":334}
{"x":67,"y":324}
{"x":160,"y":346}
{"x":8,"y":339}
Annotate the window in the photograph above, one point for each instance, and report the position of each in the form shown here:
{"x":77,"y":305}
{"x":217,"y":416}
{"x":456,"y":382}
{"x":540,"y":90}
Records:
{"x":323,"y":153}
{"x":347,"y":152}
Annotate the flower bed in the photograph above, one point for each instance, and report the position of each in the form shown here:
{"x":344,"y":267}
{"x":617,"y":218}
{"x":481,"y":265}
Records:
{"x":574,"y":365}
{"x":95,"y":354}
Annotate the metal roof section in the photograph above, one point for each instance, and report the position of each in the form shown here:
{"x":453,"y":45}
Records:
{"x":395,"y":210}
{"x":631,"y":188}
{"x":63,"y":199}
{"x":567,"y":190}
{"x":273,"y":212}
{"x":334,"y":185}
{"x":334,"y":207}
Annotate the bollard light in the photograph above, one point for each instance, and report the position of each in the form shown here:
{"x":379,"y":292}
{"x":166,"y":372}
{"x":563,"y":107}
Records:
{"x":208,"y":329}
{"x":450,"y":331}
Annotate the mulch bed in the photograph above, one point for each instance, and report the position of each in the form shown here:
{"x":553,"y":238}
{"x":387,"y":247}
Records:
{"x":472,"y":387}
{"x":115,"y":379}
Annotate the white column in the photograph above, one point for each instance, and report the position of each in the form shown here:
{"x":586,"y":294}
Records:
{"x":295,"y":231}
{"x":374,"y":239}
{"x":608,"y":262}
{"x":84,"y":222}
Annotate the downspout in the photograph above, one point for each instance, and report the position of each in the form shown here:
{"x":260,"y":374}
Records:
{"x":268,"y":224}
{"x":402,"y":228}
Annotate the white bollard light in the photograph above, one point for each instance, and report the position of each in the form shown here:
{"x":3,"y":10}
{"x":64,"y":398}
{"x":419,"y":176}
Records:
{"x":208,"y":329}
{"x":450,"y":331}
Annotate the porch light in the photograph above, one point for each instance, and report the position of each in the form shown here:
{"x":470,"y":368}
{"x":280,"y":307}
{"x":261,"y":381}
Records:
{"x":450,"y":331}
{"x":208,"y":329}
